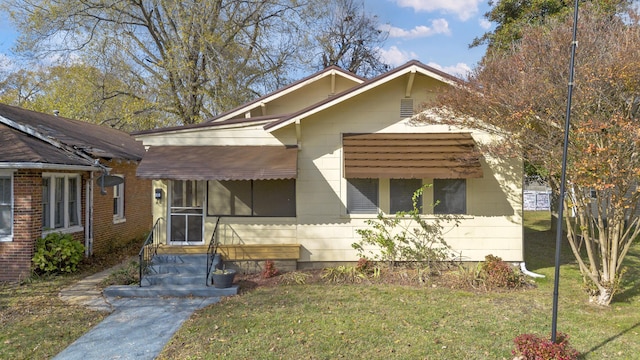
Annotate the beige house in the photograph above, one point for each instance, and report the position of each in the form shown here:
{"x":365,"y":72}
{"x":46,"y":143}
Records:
{"x":294,"y":174}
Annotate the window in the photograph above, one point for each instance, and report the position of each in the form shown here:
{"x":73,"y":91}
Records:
{"x":450,"y":196}
{"x":252,"y":198}
{"x":60,"y":201}
{"x":6,"y":203}
{"x":362,"y":196}
{"x":118,"y":201}
{"x":401,"y":192}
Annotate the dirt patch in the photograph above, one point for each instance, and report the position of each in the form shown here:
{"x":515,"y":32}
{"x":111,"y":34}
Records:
{"x":449,"y":278}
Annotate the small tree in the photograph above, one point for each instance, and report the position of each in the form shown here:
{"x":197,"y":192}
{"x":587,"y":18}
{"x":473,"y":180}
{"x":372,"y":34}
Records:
{"x":406,"y":236}
{"x":521,"y":95}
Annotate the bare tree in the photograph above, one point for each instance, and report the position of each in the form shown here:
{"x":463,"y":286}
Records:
{"x":198,"y":58}
{"x":348,"y":37}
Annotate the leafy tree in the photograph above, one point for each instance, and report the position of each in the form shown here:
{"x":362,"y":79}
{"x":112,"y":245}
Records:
{"x":520,"y":94}
{"x":348,"y":37}
{"x":195,"y":58}
{"x":513,"y":17}
{"x":80,"y":92}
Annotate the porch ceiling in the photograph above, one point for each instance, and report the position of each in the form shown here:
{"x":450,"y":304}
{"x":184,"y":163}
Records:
{"x":219,"y":163}
{"x":411,"y":156}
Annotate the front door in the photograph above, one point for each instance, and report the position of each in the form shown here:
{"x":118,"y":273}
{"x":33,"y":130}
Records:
{"x":186,"y":212}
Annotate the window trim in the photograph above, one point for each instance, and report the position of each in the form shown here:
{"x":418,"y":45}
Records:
{"x":119,"y":189}
{"x":66,"y":227}
{"x":9,"y":237}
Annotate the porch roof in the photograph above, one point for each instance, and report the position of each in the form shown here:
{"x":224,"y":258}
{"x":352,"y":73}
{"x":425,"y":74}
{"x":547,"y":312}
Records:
{"x":219,"y":163}
{"x":411,"y":156}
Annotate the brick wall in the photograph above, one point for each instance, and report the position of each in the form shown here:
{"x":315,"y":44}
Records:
{"x":15,"y":256}
{"x":137,"y":210}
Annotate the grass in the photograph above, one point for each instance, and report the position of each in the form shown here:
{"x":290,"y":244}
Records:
{"x":353,"y":321}
{"x":387,"y":321}
{"x":36,"y":324}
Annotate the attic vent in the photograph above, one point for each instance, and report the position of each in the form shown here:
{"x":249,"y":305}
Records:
{"x":406,"y":107}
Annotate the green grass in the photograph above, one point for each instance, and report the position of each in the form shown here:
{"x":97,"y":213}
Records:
{"x":354,"y":321}
{"x":36,"y":324}
{"x":386,"y":321}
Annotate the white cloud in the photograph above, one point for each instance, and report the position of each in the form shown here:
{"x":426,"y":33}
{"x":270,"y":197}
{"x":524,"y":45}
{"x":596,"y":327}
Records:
{"x":484,"y":23}
{"x":396,"y":57}
{"x":464,"y":9}
{"x":438,"y":26}
{"x":460,"y":70}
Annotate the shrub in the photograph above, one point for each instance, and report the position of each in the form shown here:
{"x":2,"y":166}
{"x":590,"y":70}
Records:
{"x":269,"y":270}
{"x":500,"y":274}
{"x":534,"y":347}
{"x":406,"y":237}
{"x":343,"y":274}
{"x":57,"y":253}
{"x":365,"y":266}
{"x":295,"y":277}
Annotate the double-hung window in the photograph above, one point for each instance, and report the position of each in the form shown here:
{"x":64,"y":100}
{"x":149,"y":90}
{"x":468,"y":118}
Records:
{"x":362,"y":196}
{"x":118,"y":202}
{"x":450,"y":196}
{"x":60,"y":201}
{"x":401,"y":194}
{"x":6,"y":204}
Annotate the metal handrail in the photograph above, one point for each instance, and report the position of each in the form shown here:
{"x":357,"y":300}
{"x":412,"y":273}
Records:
{"x":149,"y":248}
{"x":211,"y":251}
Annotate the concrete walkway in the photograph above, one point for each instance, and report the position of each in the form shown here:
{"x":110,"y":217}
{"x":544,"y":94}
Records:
{"x":137,"y":328}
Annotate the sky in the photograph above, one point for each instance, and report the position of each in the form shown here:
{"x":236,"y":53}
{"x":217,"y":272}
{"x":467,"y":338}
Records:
{"x":435,"y":32}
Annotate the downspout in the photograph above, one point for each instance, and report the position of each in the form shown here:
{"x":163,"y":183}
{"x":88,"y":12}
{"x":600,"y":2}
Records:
{"x":88,"y":230}
{"x":523,"y":269}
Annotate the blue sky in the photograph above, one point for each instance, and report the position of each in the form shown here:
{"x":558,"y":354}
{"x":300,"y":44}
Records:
{"x":435,"y":32}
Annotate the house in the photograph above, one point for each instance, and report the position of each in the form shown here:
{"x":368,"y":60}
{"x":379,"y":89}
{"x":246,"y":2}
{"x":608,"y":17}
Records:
{"x":293,"y":174}
{"x":52,"y":180}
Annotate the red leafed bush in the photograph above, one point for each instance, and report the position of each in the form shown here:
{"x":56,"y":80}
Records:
{"x":534,"y":347}
{"x":269,"y":270}
{"x":500,"y":274}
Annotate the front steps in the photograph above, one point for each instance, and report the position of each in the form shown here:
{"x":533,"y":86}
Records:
{"x":174,"y":275}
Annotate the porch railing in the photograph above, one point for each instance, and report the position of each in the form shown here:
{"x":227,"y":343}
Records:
{"x":149,"y":248}
{"x":211,"y":251}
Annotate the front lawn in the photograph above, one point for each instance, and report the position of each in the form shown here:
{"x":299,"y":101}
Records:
{"x":390,"y":321}
{"x":36,"y":323}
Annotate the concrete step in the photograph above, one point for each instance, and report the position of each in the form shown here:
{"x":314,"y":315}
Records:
{"x":174,"y":279}
{"x":169,"y":291}
{"x":180,"y":259}
{"x":178,"y":268}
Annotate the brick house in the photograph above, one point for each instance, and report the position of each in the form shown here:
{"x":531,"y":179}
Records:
{"x":69,"y":176}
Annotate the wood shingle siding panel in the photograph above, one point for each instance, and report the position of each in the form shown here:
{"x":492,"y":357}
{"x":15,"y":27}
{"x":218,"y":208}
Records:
{"x":430,"y":155}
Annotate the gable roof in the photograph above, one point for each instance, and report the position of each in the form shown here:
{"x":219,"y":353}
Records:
{"x":413,"y":66}
{"x":39,"y":137}
{"x":329,"y":71}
